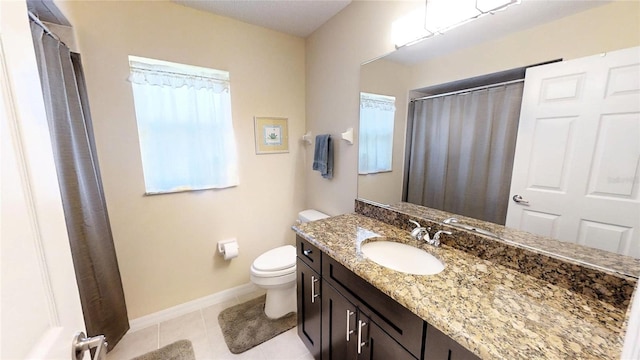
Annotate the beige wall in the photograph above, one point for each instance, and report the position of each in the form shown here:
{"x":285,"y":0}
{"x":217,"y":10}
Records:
{"x":334,"y":53}
{"x":166,"y":244}
{"x":362,"y":32}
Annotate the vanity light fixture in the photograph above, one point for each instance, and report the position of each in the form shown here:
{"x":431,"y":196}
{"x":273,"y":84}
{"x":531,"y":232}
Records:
{"x":410,"y":29}
{"x":443,"y":15}
{"x":490,"y":6}
{"x":438,"y":16}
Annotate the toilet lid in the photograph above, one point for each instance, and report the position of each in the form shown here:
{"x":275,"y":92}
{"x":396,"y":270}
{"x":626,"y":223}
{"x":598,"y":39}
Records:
{"x":276,"y":259}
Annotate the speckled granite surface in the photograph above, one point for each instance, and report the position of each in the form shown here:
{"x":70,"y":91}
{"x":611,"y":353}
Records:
{"x":622,"y":264}
{"x":492,"y":310}
{"x":595,"y":273}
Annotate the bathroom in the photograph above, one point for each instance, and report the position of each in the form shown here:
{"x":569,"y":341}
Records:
{"x":166,"y":244}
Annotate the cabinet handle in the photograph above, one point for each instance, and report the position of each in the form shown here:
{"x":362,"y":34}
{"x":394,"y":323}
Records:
{"x":313,"y":289}
{"x":349,"y":331}
{"x":307,"y":252}
{"x":361,"y":343}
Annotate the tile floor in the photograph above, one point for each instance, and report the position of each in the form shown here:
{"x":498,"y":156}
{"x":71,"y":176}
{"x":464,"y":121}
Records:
{"x":202,"y":329}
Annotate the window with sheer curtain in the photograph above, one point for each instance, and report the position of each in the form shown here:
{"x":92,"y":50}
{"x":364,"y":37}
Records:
{"x":377,"y":113}
{"x":186,"y":134}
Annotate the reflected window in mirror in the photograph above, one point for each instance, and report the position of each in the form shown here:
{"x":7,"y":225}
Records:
{"x":377,"y":113}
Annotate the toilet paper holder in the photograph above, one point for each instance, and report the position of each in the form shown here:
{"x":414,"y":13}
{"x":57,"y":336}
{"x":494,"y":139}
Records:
{"x":221,"y":248}
{"x":223,"y":242}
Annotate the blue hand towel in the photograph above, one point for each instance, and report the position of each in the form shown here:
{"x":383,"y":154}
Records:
{"x":323,"y":156}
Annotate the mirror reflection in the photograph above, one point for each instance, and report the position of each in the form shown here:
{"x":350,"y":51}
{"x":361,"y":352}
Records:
{"x":456,"y":146}
{"x":380,"y":77}
{"x":461,"y":148}
{"x":377,"y":114}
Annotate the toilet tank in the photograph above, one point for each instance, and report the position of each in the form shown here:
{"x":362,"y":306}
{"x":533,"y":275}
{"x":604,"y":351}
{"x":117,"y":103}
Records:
{"x":310,"y":215}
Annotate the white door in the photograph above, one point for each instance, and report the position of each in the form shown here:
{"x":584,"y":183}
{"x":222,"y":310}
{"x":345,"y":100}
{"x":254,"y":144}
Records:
{"x":39,"y":302}
{"x":577,"y":159}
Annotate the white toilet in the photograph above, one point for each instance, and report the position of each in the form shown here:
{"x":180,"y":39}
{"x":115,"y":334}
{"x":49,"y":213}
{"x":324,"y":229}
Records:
{"x":275,"y":271}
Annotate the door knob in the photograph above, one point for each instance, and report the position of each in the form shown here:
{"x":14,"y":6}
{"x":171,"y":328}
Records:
{"x":520,"y":200}
{"x":81,"y":343}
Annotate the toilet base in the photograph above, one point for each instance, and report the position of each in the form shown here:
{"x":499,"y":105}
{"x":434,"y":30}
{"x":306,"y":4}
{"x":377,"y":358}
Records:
{"x":280,"y":301}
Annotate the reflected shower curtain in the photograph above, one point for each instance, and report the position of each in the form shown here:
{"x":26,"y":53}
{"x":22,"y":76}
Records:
{"x":461,"y":152}
{"x":85,"y":212}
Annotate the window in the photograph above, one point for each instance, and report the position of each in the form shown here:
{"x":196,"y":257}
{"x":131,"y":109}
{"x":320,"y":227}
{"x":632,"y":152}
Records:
{"x":377,"y":113}
{"x":184,"y":125}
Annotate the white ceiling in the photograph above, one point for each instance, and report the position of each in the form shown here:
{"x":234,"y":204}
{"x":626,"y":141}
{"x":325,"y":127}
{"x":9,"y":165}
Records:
{"x":295,"y":17}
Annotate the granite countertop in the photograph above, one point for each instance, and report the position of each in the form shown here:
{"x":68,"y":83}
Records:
{"x":493,"y":311}
{"x":617,"y":263}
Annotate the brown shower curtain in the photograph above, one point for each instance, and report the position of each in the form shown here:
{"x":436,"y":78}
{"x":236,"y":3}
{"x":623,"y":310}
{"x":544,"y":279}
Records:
{"x":85,"y":211}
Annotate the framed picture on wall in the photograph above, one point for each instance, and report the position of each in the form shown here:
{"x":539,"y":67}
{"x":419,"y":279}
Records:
{"x":272,"y":135}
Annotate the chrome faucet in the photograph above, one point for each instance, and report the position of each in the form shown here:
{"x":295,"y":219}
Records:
{"x":450,"y":220}
{"x":422,"y":233}
{"x":419,"y":231}
{"x":436,"y":237}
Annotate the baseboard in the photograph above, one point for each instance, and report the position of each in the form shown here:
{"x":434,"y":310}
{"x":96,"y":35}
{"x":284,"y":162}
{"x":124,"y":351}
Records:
{"x":190,"y":306}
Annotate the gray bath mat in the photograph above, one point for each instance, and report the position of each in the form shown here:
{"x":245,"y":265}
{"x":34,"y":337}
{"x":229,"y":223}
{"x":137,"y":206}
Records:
{"x":245,"y":326}
{"x":179,"y":350}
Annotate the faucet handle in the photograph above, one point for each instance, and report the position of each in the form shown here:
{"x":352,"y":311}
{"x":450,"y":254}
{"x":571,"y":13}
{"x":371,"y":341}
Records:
{"x":450,"y":220}
{"x":436,"y":237}
{"x":417,"y":232}
{"x":427,"y":235}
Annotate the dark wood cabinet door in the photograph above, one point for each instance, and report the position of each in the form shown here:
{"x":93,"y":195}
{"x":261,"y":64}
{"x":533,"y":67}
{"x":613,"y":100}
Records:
{"x":381,"y":346}
{"x":309,"y":307}
{"x":394,"y":319}
{"x":338,"y":318}
{"x":441,"y":347}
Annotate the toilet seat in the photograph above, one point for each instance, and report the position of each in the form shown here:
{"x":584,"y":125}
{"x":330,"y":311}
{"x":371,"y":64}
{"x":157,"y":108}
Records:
{"x":282,"y":257}
{"x":275,"y":260}
{"x":269,"y":274}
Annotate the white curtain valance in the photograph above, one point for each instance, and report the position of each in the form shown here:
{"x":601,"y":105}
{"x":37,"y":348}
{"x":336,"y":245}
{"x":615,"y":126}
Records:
{"x":375,"y":101}
{"x":162,"y":75}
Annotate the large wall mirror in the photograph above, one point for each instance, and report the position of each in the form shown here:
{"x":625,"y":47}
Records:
{"x":436,"y":66}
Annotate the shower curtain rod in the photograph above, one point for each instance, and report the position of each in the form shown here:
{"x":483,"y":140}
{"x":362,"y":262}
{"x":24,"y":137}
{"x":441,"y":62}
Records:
{"x":469,"y":90}
{"x":43,"y":26}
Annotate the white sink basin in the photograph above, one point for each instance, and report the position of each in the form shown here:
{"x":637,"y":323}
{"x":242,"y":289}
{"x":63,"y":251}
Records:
{"x":402,"y":257}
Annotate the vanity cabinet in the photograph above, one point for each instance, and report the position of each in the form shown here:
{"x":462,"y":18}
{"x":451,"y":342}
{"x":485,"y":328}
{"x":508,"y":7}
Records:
{"x":308,"y":287}
{"x":401,"y":325}
{"x":343,"y":317}
{"x":349,"y":333}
